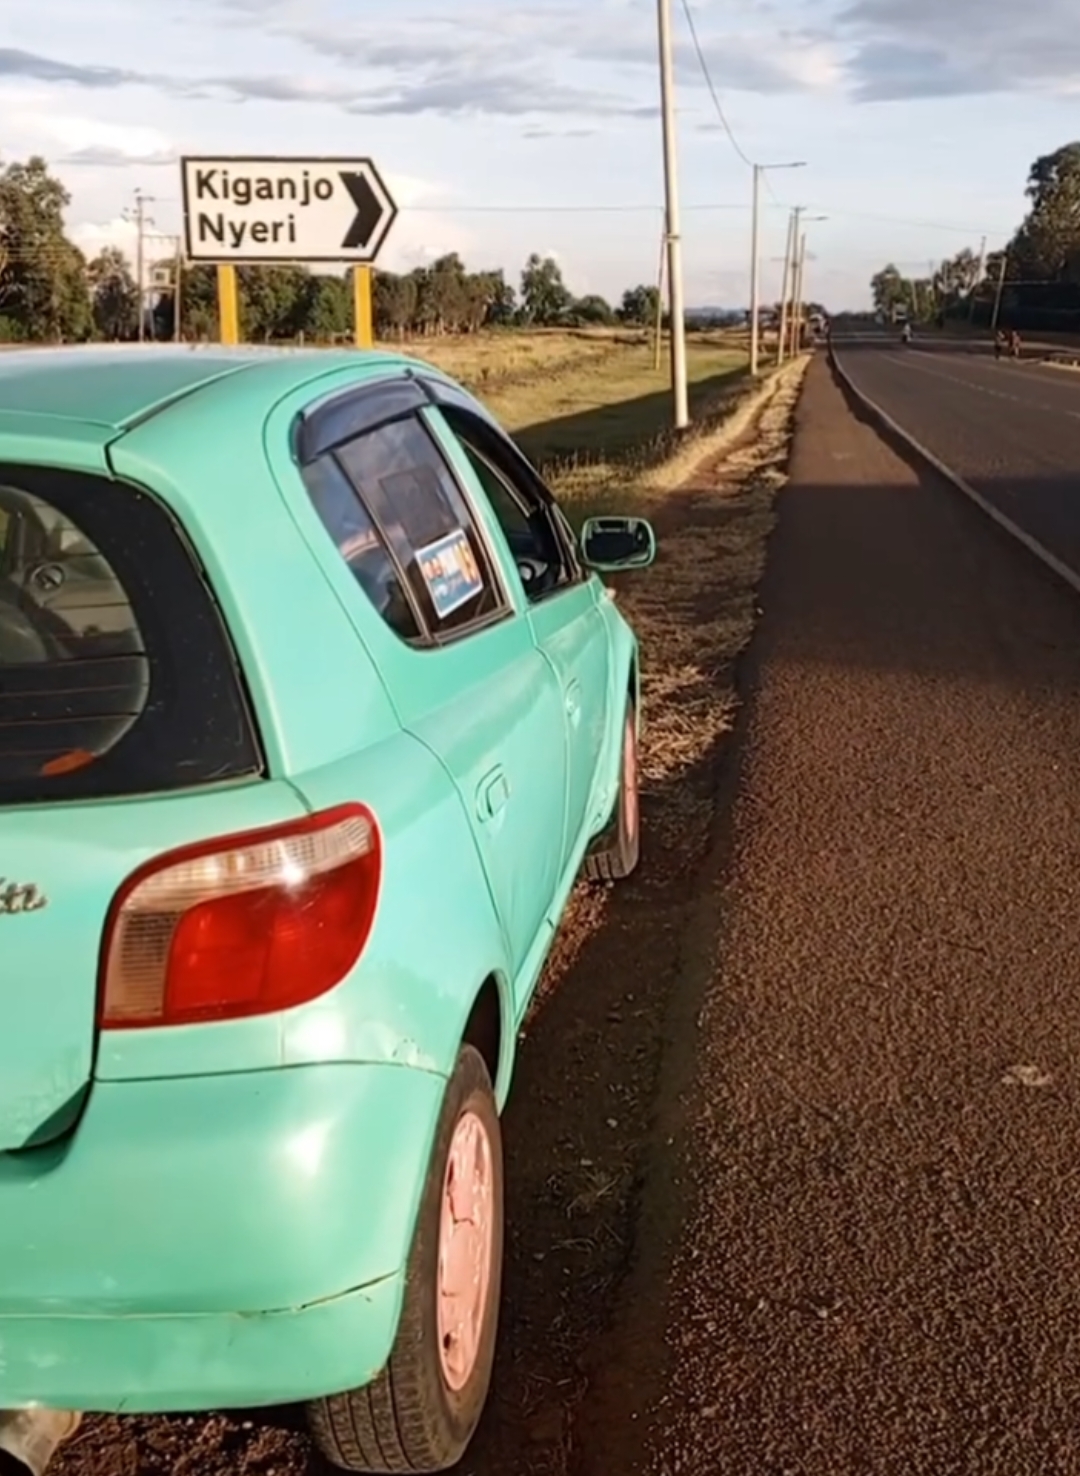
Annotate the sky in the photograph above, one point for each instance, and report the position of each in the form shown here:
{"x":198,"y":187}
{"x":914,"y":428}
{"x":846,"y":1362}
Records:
{"x":503,"y":128}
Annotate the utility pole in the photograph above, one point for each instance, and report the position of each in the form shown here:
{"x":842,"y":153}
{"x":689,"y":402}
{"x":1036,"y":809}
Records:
{"x":797,"y":318}
{"x":141,"y":222}
{"x":999,"y":292}
{"x":671,"y":212}
{"x":755,"y":274}
{"x":978,"y":279}
{"x":800,"y":280}
{"x":178,"y":292}
{"x":755,"y":262}
{"x":789,"y":278}
{"x":658,"y":341}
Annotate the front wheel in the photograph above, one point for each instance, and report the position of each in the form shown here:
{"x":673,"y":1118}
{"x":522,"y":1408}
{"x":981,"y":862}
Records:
{"x":420,"y":1413}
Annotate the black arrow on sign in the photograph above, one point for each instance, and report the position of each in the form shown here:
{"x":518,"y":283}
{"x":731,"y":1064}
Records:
{"x":369,"y":212}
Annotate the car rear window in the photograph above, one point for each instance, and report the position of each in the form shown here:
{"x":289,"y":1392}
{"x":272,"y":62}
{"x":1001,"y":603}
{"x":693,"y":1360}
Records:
{"x":117,"y":676}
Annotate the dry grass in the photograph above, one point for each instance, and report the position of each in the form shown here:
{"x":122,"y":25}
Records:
{"x":488,"y":360}
{"x":590,"y":408}
{"x":597,"y":425}
{"x":483,"y":361}
{"x":697,"y":613}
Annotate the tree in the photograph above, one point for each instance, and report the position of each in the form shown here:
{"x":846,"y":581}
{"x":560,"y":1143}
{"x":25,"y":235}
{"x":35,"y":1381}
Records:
{"x":593,"y":310}
{"x":272,"y":301}
{"x":44,"y":293}
{"x":640,"y":305}
{"x":545,"y":297}
{"x":114,"y":294}
{"x":958,"y":277}
{"x":395,"y":304}
{"x":198,"y":306}
{"x":327,"y":308}
{"x":1048,"y":241}
{"x":889,"y":290}
{"x":502,"y":304}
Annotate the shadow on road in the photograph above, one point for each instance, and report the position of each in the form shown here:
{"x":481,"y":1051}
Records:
{"x":1025,"y":462}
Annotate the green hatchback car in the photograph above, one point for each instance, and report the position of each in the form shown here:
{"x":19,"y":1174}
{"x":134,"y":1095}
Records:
{"x":312,"y":709}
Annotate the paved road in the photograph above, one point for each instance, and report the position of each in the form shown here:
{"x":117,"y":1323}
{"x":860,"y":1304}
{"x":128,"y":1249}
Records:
{"x":1012,"y":430}
{"x":878,"y":1273}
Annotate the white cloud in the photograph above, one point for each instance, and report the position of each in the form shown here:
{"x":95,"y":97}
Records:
{"x":92,"y":237}
{"x":127,"y":140}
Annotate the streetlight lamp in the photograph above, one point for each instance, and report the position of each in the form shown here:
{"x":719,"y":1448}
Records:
{"x":755,"y":260}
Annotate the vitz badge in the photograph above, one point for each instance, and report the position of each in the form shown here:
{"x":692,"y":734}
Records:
{"x":17,"y":897}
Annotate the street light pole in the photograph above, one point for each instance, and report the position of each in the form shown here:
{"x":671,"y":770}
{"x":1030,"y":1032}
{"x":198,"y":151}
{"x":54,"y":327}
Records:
{"x":797,"y":316}
{"x":800,"y":278}
{"x":674,"y":242}
{"x":789,"y":277}
{"x":755,"y":262}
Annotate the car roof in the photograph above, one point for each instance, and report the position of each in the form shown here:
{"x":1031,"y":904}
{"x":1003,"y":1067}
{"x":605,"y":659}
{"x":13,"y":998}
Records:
{"x":117,"y":386}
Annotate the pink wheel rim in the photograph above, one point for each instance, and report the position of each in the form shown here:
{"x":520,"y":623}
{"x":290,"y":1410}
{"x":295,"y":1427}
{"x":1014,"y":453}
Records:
{"x":466,"y":1236}
{"x":630,"y":788}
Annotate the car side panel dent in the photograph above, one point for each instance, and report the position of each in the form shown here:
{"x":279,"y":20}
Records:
{"x":436,"y":936}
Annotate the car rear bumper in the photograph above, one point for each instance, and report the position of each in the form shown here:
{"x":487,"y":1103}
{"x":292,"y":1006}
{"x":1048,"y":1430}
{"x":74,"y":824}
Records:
{"x":213,"y":1242}
{"x":146,"y":1365}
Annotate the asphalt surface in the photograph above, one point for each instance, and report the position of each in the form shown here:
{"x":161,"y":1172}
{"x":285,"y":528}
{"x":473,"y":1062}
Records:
{"x":877,"y":1270}
{"x":1012,"y":430}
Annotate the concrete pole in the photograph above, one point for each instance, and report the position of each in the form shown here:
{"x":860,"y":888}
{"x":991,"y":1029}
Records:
{"x":755,"y":274}
{"x":978,"y":279}
{"x":999,"y":292}
{"x":674,"y":242}
{"x":800,"y":272}
{"x":789,"y":264}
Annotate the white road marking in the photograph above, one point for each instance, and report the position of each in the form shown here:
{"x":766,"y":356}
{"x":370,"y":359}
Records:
{"x":981,"y":389}
{"x":1041,"y":552}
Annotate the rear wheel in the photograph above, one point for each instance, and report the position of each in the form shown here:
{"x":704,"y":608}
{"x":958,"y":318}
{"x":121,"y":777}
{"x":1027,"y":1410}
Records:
{"x":420,"y":1413}
{"x":616,"y":852}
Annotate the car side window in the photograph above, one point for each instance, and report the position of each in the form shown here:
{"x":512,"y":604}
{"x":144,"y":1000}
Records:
{"x":410,"y":521}
{"x":359,"y":543}
{"x":538,"y":537}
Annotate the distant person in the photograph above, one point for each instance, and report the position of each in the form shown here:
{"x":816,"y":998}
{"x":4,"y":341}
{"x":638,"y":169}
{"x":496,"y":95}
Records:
{"x":906,"y":335}
{"x":1014,"y":344}
{"x":1001,"y":343}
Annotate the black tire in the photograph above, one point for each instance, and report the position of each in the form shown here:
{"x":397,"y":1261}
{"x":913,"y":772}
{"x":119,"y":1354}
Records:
{"x":409,"y":1419}
{"x":616,"y":852}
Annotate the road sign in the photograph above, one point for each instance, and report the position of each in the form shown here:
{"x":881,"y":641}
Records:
{"x":281,"y":210}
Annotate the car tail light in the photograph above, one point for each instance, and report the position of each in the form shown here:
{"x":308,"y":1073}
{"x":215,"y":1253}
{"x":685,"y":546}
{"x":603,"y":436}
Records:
{"x":243,"y":926}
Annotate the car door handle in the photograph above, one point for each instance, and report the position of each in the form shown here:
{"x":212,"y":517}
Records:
{"x":573,"y":700}
{"x":492,"y":794}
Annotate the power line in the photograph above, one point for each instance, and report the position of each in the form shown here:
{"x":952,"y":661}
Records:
{"x":717,"y":104}
{"x":926,"y":225}
{"x":557,"y":209}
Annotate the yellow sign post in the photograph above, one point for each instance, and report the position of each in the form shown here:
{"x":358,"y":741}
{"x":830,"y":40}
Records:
{"x":363,"y":306}
{"x":228,"y":304}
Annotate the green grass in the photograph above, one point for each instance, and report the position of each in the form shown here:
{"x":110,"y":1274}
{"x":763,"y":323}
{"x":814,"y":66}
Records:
{"x":595,"y":429}
{"x":591,"y":410}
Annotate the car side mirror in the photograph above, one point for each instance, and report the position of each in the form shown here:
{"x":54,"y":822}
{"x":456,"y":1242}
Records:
{"x":610,"y":545}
